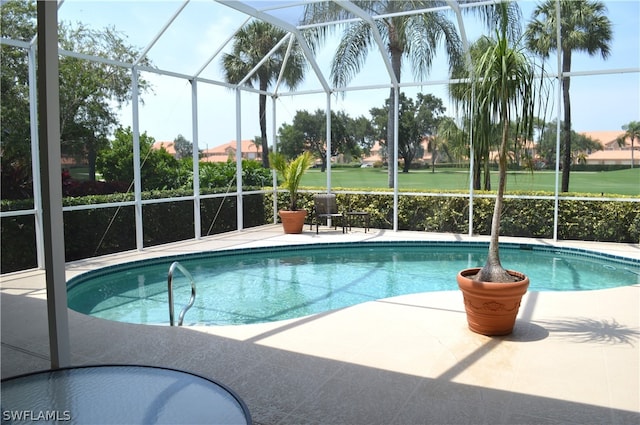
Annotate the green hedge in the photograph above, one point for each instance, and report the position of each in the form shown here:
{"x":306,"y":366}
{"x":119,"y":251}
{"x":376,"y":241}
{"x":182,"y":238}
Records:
{"x":95,"y":232}
{"x":611,"y":221}
{"x":18,"y":240}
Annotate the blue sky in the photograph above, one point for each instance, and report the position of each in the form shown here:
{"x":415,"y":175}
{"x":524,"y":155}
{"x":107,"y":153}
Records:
{"x":598,"y":102}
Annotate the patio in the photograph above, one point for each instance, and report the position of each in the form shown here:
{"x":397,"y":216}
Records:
{"x":408,"y":359}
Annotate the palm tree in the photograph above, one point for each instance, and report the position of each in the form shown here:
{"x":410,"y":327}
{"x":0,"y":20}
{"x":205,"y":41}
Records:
{"x":505,"y":88}
{"x":257,"y":143}
{"x":453,"y":138}
{"x":252,"y":46}
{"x":291,"y":173}
{"x":632,"y":131}
{"x":584,"y":28}
{"x":415,"y":37}
{"x":486,"y":140}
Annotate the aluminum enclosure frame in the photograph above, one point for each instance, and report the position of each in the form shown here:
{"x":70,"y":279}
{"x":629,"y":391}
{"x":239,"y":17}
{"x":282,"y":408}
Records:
{"x":294,"y":32}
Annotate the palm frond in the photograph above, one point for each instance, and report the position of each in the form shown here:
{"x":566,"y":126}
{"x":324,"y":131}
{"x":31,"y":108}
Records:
{"x":251,"y":45}
{"x":321,"y":13}
{"x":424,"y":34}
{"x":584,"y":27}
{"x":351,"y":53}
{"x":503,"y":16}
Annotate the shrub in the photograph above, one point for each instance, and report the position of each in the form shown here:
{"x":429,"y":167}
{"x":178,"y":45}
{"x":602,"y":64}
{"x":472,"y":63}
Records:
{"x":611,"y":221}
{"x":223,"y":174}
{"x":91,"y":232}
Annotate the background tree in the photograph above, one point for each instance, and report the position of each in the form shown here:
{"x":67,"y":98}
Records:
{"x":309,"y":133}
{"x":290,"y":140}
{"x":344,"y":135}
{"x":17,"y":22}
{"x":438,"y":145}
{"x":417,"y":120}
{"x":414,"y":37}
{"x":429,"y":115}
{"x":430,"y":112}
{"x":257,"y":143}
{"x":632,"y":131}
{"x":584,"y":28}
{"x":158,"y":169}
{"x":409,"y":135}
{"x":90,"y":92}
{"x":251,"y":45}
{"x":453,"y":138}
{"x":362,"y":130}
{"x":579,"y":144}
{"x":183,"y":147}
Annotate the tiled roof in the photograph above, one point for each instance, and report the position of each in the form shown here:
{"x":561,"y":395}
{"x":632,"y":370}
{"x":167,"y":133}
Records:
{"x":168,"y":146}
{"x":608,"y":139}
{"x":613,"y":153}
{"x":245,"y":146}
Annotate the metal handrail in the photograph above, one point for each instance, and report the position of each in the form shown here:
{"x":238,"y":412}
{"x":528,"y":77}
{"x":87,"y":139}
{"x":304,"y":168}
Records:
{"x":184,"y":271}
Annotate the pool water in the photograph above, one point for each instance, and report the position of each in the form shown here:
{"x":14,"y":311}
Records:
{"x":269,"y":284}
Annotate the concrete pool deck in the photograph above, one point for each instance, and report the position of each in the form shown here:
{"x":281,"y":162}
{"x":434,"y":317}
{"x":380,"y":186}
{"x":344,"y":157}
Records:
{"x":574,"y":357}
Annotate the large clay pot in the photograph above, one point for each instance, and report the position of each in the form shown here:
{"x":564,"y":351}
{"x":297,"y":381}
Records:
{"x":292,"y":221}
{"x":491,"y":307}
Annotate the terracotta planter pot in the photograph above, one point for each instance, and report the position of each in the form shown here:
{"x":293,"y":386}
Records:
{"x":292,"y":221}
{"x":491,"y":307}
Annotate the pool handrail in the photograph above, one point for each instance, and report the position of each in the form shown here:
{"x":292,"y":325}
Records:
{"x":184,"y":271}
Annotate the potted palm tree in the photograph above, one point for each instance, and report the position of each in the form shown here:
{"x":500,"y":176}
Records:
{"x":503,"y":89}
{"x":291,"y":173}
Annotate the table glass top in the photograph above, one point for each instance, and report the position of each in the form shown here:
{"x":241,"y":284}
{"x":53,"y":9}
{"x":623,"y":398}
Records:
{"x":119,"y":394}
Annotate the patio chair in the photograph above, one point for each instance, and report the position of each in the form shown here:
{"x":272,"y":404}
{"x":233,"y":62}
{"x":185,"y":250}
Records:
{"x":325,"y":208}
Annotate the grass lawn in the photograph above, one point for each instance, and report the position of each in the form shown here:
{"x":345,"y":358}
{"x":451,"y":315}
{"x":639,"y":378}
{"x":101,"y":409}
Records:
{"x":621,"y":182}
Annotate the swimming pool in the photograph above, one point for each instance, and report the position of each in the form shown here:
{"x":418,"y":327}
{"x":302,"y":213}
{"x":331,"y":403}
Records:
{"x":268,"y":284}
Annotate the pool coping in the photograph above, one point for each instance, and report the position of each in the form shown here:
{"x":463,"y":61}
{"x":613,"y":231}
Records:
{"x":343,"y":247}
{"x":627,"y":253}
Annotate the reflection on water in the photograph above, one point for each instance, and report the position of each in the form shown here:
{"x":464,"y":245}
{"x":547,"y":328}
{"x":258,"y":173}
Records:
{"x":268,"y":285}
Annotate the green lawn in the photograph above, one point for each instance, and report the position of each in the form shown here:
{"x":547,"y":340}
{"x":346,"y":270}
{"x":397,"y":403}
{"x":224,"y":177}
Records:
{"x":622,"y":182}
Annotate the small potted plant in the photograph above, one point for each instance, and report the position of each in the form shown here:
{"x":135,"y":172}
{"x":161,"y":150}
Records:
{"x":291,"y":173}
{"x":504,"y":90}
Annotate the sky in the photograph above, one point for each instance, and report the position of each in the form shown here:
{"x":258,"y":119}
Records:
{"x":203,"y":27}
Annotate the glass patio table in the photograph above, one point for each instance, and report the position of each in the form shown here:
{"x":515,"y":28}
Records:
{"x":110,"y":394}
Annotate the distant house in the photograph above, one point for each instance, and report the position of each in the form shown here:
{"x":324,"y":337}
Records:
{"x":613,"y":153}
{"x":222,"y":153}
{"x":376,"y":157}
{"x":168,"y":146}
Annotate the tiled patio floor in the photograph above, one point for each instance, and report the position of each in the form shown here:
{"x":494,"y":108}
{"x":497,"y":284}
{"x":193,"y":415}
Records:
{"x":573,"y":358}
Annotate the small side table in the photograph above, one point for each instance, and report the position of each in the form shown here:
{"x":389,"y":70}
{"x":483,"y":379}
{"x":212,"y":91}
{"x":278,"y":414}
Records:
{"x":363,"y":216}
